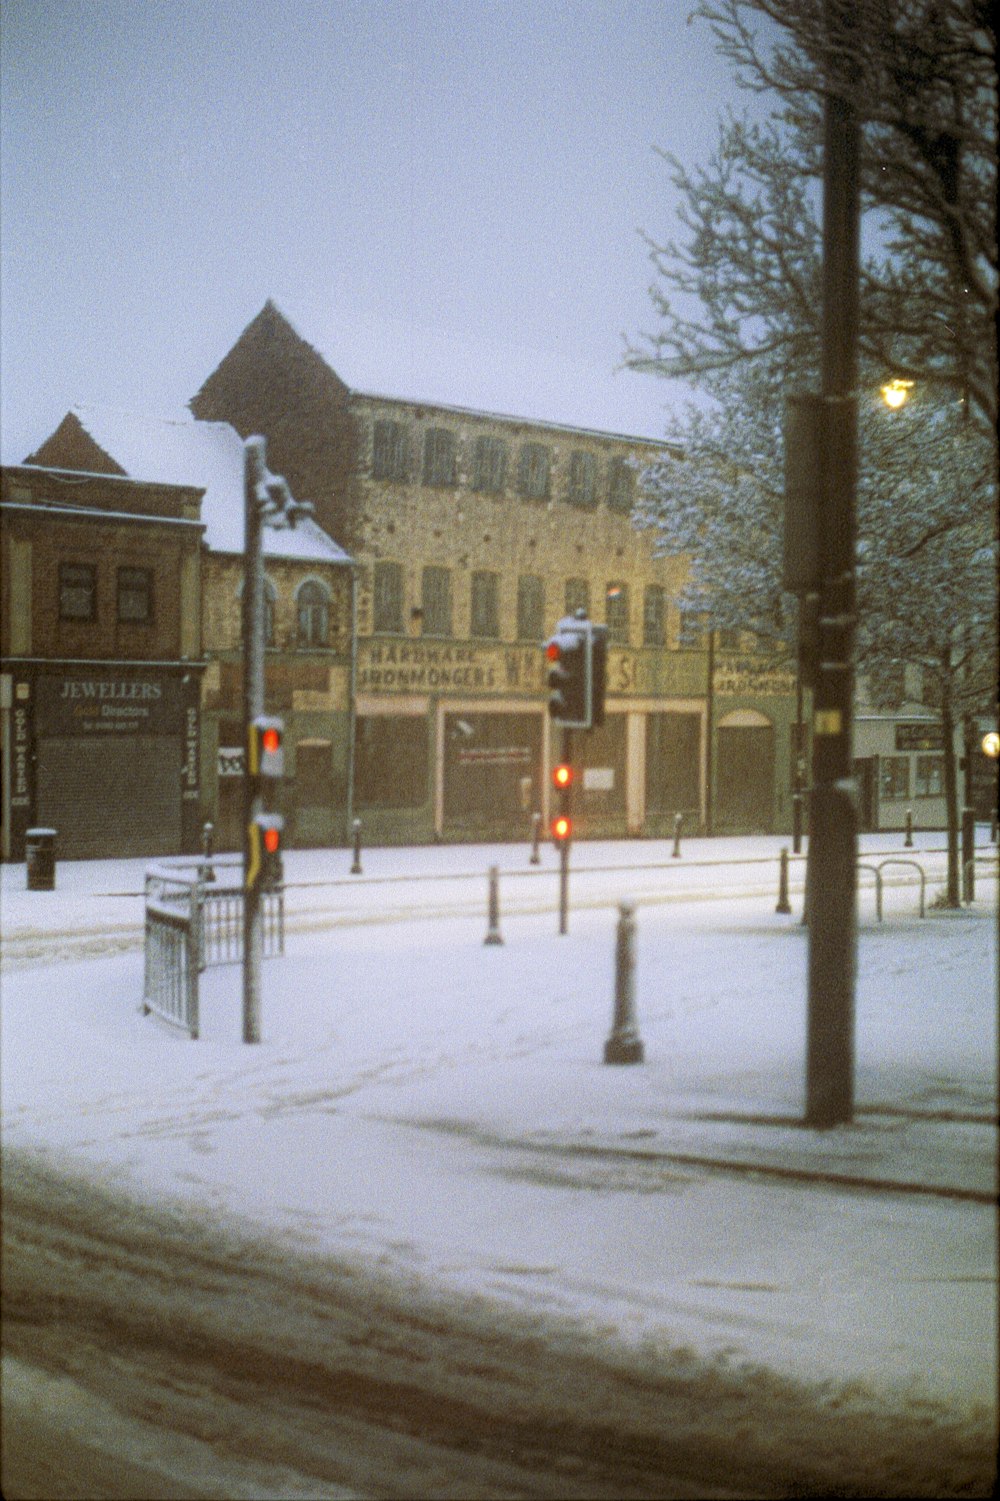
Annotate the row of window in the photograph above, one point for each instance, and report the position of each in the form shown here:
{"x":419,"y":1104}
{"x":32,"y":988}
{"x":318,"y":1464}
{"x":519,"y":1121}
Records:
{"x":491,"y":470}
{"x":436,"y":613}
{"x":894,"y":776}
{"x":78,"y":593}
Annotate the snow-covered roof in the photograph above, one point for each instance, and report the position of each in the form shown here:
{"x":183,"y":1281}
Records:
{"x":179,"y":450}
{"x":411,"y":361}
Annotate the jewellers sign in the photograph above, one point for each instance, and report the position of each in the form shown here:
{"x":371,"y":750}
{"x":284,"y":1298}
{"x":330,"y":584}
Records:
{"x":90,"y":704}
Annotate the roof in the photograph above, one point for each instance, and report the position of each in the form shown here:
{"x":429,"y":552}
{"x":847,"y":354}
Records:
{"x":405,"y":360}
{"x":208,"y":456}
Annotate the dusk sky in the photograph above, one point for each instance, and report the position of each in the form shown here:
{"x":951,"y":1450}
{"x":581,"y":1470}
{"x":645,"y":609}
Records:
{"x":451,"y":189}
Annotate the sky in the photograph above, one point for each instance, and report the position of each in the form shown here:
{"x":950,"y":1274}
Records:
{"x":472,"y":172}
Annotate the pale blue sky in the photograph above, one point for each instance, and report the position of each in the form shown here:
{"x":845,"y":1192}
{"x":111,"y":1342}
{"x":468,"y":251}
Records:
{"x":472,"y":171}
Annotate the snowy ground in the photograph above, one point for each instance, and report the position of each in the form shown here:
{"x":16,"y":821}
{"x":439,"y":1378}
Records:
{"x":438,"y":1111}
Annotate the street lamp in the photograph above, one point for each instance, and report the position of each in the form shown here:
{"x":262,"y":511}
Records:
{"x":895,"y":393}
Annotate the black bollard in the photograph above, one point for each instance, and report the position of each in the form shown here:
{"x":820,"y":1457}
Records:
{"x":678,"y":820}
{"x":207,"y":873}
{"x":908,"y":841}
{"x":969,"y":854}
{"x":493,"y":931}
{"x":797,"y":822}
{"x":356,"y":830}
{"x":536,"y":834}
{"x":783,"y":903}
{"x":624,"y":1044}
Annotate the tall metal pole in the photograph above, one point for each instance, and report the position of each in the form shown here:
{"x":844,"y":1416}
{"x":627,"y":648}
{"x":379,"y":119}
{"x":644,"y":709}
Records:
{"x":253,"y":704}
{"x":566,"y":808}
{"x":833,"y":818}
{"x":709,"y":717}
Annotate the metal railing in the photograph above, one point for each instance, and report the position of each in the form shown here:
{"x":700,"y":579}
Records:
{"x":192,"y":924}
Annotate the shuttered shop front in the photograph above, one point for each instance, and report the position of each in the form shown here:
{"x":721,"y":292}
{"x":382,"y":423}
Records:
{"x":112,"y":756}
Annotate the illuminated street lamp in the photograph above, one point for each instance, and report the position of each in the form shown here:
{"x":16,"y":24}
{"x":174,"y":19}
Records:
{"x":991,"y":744}
{"x":896,"y":392}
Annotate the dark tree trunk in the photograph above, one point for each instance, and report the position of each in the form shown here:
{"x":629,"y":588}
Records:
{"x":953,"y":895}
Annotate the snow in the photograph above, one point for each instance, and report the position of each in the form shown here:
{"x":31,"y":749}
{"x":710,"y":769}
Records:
{"x":439,"y":1109}
{"x":177,"y":450}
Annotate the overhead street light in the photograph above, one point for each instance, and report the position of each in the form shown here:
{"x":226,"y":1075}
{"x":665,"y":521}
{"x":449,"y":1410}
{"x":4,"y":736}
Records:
{"x":895,"y":393}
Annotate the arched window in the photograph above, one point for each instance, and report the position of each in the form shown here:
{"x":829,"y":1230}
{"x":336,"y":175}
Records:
{"x":313,"y":602}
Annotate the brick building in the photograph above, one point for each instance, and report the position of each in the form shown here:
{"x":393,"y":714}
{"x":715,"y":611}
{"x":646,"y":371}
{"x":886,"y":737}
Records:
{"x":153,"y":509}
{"x":474,"y":532}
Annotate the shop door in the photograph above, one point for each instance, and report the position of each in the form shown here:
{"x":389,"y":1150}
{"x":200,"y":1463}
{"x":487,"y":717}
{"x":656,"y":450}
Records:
{"x":112,"y":798}
{"x":745,"y":786}
{"x":866,"y":777}
{"x":492,"y":772}
{"x":673,"y":744}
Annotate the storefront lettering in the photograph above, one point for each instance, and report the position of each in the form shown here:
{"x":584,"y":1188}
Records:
{"x":191,"y":753}
{"x":20,"y":797}
{"x":76,"y":688}
{"x":402,"y":680}
{"x":622,"y":675}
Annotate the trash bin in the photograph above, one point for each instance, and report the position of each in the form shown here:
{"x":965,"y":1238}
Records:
{"x":41,"y":851}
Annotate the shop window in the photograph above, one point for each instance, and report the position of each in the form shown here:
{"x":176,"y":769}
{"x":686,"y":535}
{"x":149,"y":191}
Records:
{"x":530,"y":607}
{"x":582,"y":478}
{"x":616,"y":607}
{"x":485,"y":605}
{"x":135,"y":596}
{"x":77,"y":591}
{"x":439,"y":456}
{"x":390,"y":451}
{"x":313,"y":775}
{"x":533,"y":471}
{"x":390,"y":761}
{"x":435,"y":599}
{"x":489,"y":469}
{"x":894,"y":776}
{"x":387,"y":597}
{"x":577,"y":596}
{"x":930,"y":776}
{"x":313,"y":603}
{"x":653,"y":616}
{"x":621,"y":485}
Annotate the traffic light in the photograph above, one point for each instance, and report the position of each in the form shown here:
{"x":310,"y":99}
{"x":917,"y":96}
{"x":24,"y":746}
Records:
{"x":562,"y":776}
{"x":568,"y":656}
{"x":562,"y":827}
{"x":266,"y":747}
{"x":264,"y":866}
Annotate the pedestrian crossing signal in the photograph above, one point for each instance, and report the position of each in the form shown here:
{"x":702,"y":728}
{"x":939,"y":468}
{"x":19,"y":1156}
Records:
{"x":264,"y":867}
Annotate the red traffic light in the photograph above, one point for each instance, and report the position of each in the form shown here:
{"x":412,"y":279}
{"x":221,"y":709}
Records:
{"x":553,"y":651}
{"x":271,"y":740}
{"x":562,"y":775}
{"x":561,"y":827}
{"x":272,"y":840}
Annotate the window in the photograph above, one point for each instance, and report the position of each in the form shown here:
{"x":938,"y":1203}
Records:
{"x":485,"y":605}
{"x":313,"y":614}
{"x":436,"y":601}
{"x":390,"y":761}
{"x":653,"y":616}
{"x":489,"y":469}
{"x":895,"y":776}
{"x":692,"y":628}
{"x":533,"y":471}
{"x":530,"y":607}
{"x":729,"y":640}
{"x":621,"y":485}
{"x":439,"y":456}
{"x":387,"y":597}
{"x":616,"y":605}
{"x":930,"y":776}
{"x":577,"y":596}
{"x":135,"y":596}
{"x":390,"y":451}
{"x":77,"y":591}
{"x":582,"y":478}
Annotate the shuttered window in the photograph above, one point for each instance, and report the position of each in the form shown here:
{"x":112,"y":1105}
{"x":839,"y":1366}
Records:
{"x":387,"y":597}
{"x":533,"y":471}
{"x":489,"y":469}
{"x":439,"y":456}
{"x":436,"y":601}
{"x":582,"y":478}
{"x":485,"y":605}
{"x":530,"y":607}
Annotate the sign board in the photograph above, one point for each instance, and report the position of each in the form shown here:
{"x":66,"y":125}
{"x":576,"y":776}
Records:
{"x":919,"y":737}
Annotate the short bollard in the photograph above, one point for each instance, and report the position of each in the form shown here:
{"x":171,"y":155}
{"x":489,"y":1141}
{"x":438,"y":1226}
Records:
{"x":356,"y":831}
{"x":783,"y":903}
{"x":993,"y":829}
{"x":536,"y":834}
{"x":908,"y":841}
{"x":624,"y":1044}
{"x":493,"y":931}
{"x":678,"y":820}
{"x":207,"y":873}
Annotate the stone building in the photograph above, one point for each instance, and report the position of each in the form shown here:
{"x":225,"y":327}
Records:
{"x":105,"y":497}
{"x":474,"y":533}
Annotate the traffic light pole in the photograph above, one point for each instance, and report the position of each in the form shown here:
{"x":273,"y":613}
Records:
{"x":565,"y":808}
{"x":253,"y":704}
{"x":833,"y":811}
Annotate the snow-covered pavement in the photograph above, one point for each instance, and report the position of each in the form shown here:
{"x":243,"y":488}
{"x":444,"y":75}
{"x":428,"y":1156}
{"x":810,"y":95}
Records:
{"x":437,"y":1110}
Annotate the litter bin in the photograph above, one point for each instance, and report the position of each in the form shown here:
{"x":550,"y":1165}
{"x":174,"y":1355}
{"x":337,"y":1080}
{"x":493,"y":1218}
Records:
{"x":41,"y":851}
